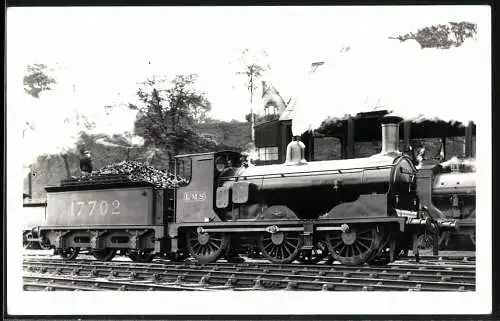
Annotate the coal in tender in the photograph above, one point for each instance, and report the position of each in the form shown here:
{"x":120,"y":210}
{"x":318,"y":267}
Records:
{"x":140,"y":172}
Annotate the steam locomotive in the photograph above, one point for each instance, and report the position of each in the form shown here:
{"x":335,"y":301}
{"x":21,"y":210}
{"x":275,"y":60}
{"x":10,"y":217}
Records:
{"x":365,"y":210}
{"x":448,"y":190}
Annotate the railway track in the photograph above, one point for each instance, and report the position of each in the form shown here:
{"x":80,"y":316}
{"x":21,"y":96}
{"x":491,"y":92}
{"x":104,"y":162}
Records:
{"x":42,"y":273}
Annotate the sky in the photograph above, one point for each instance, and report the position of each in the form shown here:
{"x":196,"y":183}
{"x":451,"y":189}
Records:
{"x":100,"y":54}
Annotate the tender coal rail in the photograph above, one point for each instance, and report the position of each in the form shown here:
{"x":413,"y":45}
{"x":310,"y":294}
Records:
{"x":165,"y":276}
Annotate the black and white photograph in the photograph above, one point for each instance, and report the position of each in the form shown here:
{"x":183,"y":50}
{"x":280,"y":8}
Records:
{"x":248,"y":160}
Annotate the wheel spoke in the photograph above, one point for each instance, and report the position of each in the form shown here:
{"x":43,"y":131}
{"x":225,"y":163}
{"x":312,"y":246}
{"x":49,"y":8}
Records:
{"x":280,"y":252}
{"x":214,"y":244}
{"x":290,"y":243}
{"x":273,"y":250}
{"x":210,"y":247}
{"x":358,"y":249}
{"x":363,"y":244}
{"x":286,"y":248}
{"x":270,"y":244}
{"x":337,"y":244}
{"x":196,"y":246}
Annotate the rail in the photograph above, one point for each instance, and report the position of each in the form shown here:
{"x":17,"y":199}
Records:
{"x":55,"y":274}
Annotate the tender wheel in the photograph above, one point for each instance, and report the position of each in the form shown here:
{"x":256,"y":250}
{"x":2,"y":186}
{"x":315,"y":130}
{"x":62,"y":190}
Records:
{"x":141,"y":256}
{"x":355,"y":246}
{"x":317,"y":254}
{"x":104,"y":254}
{"x":280,"y":247}
{"x":206,"y":247}
{"x":44,"y":245}
{"x":70,"y":253}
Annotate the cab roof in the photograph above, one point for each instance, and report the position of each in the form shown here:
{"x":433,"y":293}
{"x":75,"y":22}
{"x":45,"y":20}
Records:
{"x":209,"y":153}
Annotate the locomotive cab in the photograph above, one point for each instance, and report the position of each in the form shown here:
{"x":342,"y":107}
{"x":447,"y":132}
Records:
{"x":195,"y":201}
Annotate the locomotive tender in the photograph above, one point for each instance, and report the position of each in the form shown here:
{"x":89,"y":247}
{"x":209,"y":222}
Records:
{"x":365,"y":210}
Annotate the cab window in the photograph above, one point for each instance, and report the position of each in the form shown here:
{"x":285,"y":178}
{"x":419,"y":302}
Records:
{"x":183,"y":169}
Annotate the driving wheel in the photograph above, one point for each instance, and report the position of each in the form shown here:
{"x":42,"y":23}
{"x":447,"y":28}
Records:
{"x":280,"y":247}
{"x":354,"y":246}
{"x":206,"y":247}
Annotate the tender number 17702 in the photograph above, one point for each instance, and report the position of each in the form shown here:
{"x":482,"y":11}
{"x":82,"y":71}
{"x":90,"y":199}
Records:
{"x":94,"y":207}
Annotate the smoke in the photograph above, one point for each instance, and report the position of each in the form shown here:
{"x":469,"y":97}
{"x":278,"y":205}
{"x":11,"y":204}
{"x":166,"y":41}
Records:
{"x":411,"y":82}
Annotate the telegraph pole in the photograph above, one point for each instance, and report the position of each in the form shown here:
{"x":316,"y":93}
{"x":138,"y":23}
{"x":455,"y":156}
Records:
{"x":252,"y":118}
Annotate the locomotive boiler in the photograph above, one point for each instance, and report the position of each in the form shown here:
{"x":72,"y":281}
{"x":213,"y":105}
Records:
{"x":383,"y":183}
{"x":365,"y":210}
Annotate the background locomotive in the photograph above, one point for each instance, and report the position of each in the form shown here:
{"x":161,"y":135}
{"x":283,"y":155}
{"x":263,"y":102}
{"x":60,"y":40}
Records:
{"x":448,"y":190}
{"x":365,"y":210}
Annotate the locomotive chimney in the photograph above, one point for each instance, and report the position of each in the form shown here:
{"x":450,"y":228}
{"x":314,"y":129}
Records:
{"x":390,"y":134}
{"x":295,"y":152}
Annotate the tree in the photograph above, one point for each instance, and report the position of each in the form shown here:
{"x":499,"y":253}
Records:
{"x":441,"y":36}
{"x":253,"y":69}
{"x":167,"y":115}
{"x":36,"y":80}
{"x":58,"y":115}
{"x":248,"y":117}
